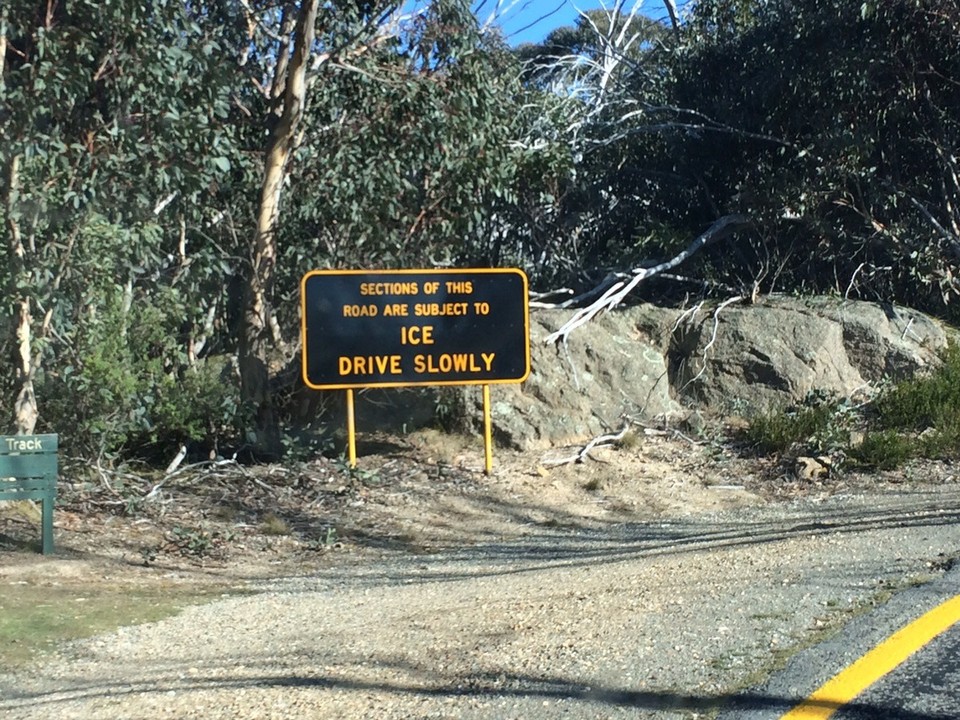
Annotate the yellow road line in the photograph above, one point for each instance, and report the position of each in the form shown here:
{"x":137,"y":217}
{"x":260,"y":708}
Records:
{"x":845,"y":686}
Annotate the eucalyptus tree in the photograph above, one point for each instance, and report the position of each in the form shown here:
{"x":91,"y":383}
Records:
{"x":830,"y":126}
{"x":115,"y":137}
{"x":171,"y":169}
{"x":398,"y":146}
{"x":606,"y":73}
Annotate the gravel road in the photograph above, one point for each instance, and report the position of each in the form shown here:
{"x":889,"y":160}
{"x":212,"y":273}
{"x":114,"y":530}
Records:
{"x":653,"y":620}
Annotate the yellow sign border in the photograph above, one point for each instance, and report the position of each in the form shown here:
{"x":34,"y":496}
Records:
{"x":425,"y":383}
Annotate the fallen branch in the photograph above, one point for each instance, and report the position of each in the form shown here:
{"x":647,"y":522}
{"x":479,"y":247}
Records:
{"x":539,"y":299}
{"x":599,"y":441}
{"x":175,"y":463}
{"x":203,"y":470}
{"x":581,"y":298}
{"x":615,"y":293}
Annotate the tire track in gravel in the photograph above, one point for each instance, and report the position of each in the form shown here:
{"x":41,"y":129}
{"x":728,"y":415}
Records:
{"x":658,"y":620}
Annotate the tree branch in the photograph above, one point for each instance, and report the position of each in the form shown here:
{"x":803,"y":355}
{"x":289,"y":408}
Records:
{"x":600,"y":441}
{"x":616,"y":293}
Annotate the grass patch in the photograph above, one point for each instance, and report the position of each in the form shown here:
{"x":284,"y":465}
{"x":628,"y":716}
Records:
{"x":918,"y":418}
{"x":883,"y":450}
{"x":593,"y":484}
{"x":35,"y":619}
{"x":778,"y":432}
{"x":932,"y":401}
{"x":275,"y":525}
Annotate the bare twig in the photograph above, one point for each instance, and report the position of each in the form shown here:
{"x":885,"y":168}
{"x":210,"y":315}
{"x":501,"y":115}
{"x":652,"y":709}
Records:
{"x":906,"y":329}
{"x":688,"y":314}
{"x":943,"y":232}
{"x":175,"y":463}
{"x":713,"y":335}
{"x":853,"y":280}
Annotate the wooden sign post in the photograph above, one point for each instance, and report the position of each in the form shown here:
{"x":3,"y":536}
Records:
{"x":401,"y":328}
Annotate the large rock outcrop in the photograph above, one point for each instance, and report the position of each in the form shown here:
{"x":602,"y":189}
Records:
{"x":759,"y":359}
{"x":607,"y":369}
{"x":776,"y":352}
{"x":651,"y":362}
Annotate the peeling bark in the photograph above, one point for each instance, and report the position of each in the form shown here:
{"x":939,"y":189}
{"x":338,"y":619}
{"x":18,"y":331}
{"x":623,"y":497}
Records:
{"x":25,"y":405}
{"x":3,"y":44}
{"x":259,"y":331}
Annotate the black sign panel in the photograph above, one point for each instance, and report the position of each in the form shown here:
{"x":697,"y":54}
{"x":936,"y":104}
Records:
{"x":414,"y":327}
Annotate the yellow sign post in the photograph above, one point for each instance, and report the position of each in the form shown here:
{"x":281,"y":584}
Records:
{"x":351,"y":431}
{"x":397,"y":328}
{"x":487,"y":432}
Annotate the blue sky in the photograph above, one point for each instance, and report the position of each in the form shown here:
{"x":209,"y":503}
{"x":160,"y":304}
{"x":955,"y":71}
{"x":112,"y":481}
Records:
{"x":531,"y":20}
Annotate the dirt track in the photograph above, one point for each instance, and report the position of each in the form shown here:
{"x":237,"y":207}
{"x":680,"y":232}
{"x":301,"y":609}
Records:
{"x":647,"y":618}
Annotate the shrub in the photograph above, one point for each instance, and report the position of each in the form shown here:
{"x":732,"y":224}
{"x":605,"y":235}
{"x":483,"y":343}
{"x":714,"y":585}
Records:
{"x":916,"y":418}
{"x":139,"y":390}
{"x":932,"y":401}
{"x":821,"y":423}
{"x":883,"y":450}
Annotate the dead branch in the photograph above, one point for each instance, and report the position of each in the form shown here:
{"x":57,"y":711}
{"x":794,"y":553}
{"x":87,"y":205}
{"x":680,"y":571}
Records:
{"x":539,"y":299}
{"x":687,"y":315}
{"x":619,"y":290}
{"x":713,"y":335}
{"x":178,"y":458}
{"x":575,"y":300}
{"x":600,"y":441}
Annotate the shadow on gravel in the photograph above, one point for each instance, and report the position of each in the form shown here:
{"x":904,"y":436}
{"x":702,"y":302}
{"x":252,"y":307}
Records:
{"x":484,"y":686}
{"x":567,"y":547}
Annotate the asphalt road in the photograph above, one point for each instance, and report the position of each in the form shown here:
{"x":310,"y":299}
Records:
{"x":924,"y":686}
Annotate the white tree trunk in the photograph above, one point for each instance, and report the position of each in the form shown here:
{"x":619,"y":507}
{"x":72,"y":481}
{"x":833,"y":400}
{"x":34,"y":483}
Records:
{"x":257,"y":335}
{"x":25,"y":406}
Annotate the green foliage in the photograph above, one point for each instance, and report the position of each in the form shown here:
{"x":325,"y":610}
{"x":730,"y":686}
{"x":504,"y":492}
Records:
{"x":932,"y":401}
{"x":425,"y":169}
{"x":450,"y":409}
{"x":131,"y":158}
{"x":115,"y":141}
{"x":274,"y":525}
{"x":126,"y":359}
{"x":197,"y":542}
{"x":820,"y":424}
{"x":928,"y":409}
{"x":130,"y":163}
{"x":883,"y":450}
{"x":829,"y":126}
{"x":915,"y":418}
{"x":329,"y":540}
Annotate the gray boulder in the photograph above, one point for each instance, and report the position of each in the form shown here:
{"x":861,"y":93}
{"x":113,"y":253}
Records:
{"x":654,"y":363}
{"x":609,"y":367}
{"x":771,"y":354}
